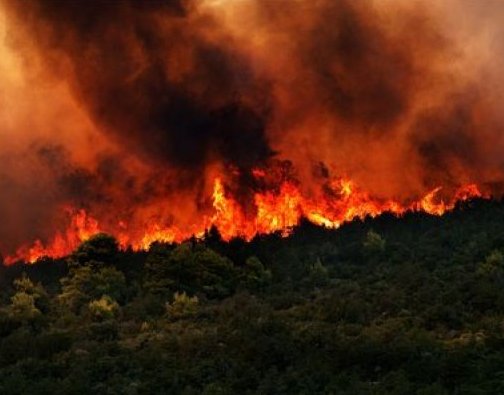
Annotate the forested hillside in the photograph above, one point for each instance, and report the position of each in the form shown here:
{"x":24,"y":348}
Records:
{"x":411,"y":305}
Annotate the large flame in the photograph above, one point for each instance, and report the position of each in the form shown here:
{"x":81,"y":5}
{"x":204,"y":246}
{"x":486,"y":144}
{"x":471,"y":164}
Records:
{"x":277,"y":211}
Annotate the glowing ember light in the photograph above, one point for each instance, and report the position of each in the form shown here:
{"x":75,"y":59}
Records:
{"x":275,"y":210}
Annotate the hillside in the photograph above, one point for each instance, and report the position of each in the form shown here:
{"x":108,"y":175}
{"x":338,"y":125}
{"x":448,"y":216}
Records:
{"x":410,"y":305}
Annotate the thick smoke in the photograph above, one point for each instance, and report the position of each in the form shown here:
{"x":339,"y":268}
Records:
{"x":130,"y":108}
{"x":148,"y":77}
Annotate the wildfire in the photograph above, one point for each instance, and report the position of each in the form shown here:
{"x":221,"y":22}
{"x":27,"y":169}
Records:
{"x":81,"y":228}
{"x":275,"y":210}
{"x":160,"y":121}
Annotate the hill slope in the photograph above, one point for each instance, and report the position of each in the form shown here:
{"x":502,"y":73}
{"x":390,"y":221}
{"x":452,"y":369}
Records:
{"x":385,"y":306}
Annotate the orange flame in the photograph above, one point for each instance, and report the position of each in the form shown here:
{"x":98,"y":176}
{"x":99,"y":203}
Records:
{"x":279,"y":210}
{"x":81,"y":228}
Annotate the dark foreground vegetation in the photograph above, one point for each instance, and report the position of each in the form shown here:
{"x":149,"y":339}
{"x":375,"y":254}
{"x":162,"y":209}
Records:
{"x":385,"y":306}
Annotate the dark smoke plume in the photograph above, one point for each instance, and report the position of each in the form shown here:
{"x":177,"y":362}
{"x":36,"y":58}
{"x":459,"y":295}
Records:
{"x":148,"y":78}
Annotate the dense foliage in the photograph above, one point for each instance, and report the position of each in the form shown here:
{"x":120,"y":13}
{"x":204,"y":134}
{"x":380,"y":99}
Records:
{"x":383,"y":306}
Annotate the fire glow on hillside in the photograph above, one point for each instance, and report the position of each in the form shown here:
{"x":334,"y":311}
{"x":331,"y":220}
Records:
{"x":274,"y":211}
{"x":158,"y":120}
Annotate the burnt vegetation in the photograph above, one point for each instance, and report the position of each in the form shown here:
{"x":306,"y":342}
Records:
{"x":410,"y":305}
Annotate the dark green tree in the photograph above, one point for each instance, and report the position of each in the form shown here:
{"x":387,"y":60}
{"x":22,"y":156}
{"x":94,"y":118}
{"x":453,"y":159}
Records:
{"x":101,"y":249}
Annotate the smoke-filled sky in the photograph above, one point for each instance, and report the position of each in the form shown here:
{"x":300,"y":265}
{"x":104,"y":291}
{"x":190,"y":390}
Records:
{"x":130,"y":108}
